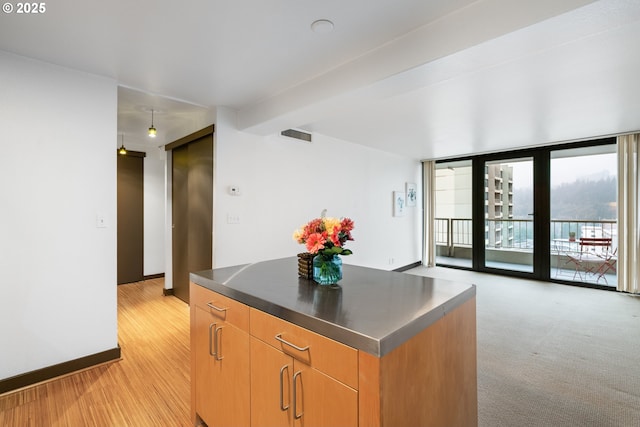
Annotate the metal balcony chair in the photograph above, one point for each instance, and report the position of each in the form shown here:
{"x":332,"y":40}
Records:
{"x":609,"y":261}
{"x":564,"y":251}
{"x":594,"y":257}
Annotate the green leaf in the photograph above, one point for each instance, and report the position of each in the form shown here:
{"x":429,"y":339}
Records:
{"x":335,"y":250}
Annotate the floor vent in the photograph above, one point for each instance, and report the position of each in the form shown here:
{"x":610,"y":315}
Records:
{"x":297,"y":134}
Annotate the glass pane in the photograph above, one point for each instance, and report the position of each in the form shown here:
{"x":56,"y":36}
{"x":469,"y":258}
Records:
{"x":584,"y":236}
{"x":453,"y":213}
{"x":508,"y":212}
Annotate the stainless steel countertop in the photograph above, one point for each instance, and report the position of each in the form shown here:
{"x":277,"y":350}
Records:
{"x":372,"y":310}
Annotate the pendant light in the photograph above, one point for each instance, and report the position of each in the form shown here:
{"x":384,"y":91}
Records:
{"x":122,"y":150}
{"x":152,"y":131}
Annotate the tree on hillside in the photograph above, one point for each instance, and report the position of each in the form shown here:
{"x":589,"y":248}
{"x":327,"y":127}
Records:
{"x":578,"y":200}
{"x":592,"y":200}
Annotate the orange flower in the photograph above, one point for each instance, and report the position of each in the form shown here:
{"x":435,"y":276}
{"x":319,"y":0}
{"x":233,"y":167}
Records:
{"x":315,"y":242}
{"x":335,"y":237}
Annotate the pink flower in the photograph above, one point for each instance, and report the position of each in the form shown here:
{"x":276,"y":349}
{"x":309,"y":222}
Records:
{"x":315,"y":242}
{"x":347,"y":224}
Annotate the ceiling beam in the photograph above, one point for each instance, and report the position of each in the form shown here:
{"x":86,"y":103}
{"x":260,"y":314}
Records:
{"x":342,"y":87}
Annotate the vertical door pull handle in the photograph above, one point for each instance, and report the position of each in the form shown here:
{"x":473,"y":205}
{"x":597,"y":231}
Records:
{"x":295,"y":397}
{"x":282,"y":407}
{"x":211,"y":327}
{"x":216,"y":344}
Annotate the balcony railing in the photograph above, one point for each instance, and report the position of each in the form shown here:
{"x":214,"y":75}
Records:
{"x":509,"y":245}
{"x":457,"y":232}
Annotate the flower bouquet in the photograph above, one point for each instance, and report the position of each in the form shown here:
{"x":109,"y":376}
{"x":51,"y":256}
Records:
{"x":325,"y":238}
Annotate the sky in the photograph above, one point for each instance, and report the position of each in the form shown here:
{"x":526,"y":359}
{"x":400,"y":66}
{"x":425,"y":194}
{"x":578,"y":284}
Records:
{"x":567,"y":169}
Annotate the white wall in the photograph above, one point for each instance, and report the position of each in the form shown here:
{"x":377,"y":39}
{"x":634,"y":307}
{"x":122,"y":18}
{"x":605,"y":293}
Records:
{"x":57,"y":173}
{"x":285,"y":183}
{"x":154,"y":221}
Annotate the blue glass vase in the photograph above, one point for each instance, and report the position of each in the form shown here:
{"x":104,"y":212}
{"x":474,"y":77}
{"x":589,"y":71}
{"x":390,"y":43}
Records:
{"x":327,"y":270}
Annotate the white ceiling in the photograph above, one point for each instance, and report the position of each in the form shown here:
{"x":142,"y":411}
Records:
{"x":422,"y":78}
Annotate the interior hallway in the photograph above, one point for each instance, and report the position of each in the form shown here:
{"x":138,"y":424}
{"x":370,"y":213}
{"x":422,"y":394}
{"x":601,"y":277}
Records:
{"x":149,"y":386}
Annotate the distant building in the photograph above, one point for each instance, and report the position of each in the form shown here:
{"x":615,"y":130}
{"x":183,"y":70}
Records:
{"x":453,"y":201}
{"x":453,"y":208}
{"x":498,"y":205}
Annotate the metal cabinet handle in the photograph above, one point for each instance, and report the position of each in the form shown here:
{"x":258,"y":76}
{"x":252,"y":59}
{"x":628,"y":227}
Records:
{"x":211,"y":326}
{"x":216,"y":345}
{"x":283,"y":341}
{"x":210,"y":305}
{"x":282,"y":407}
{"x":295,"y":397}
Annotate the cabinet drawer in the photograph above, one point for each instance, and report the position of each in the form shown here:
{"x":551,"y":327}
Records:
{"x":335,"y":359}
{"x":224,"y":308}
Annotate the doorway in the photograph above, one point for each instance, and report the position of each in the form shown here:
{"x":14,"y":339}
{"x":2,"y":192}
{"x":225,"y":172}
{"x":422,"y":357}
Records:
{"x":130,"y":213}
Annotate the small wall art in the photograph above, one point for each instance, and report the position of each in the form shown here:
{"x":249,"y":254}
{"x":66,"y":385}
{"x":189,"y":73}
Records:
{"x":398,"y":203}
{"x":412,"y":194}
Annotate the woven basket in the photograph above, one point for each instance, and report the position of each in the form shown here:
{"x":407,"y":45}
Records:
{"x":305,"y":265}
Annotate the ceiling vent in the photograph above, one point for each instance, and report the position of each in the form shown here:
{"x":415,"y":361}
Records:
{"x":297,"y":134}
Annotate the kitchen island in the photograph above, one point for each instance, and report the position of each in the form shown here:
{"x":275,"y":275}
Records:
{"x":381,"y":349}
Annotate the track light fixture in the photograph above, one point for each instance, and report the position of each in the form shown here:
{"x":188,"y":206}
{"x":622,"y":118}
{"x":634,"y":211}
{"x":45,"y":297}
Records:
{"x":152,"y":131}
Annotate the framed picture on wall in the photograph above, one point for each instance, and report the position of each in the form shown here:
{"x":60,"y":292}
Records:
{"x":398,"y":203}
{"x":412,"y":194}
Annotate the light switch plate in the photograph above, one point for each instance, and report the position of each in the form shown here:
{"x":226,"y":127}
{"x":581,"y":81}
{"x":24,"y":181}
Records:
{"x":101,"y":221}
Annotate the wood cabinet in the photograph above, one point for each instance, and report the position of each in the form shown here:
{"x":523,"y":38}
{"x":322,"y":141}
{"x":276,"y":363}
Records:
{"x":220,"y":359}
{"x":291,"y":376}
{"x":250,"y":368}
{"x":281,"y":375}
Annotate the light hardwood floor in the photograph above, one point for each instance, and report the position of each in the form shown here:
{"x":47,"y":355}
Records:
{"x":149,"y":386}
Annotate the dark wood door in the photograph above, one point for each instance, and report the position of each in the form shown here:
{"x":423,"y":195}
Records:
{"x":130,"y":217}
{"x":180,"y":226}
{"x":192,"y":210}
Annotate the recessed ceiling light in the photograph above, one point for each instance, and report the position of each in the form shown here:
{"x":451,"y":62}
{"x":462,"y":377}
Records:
{"x":322,"y":26}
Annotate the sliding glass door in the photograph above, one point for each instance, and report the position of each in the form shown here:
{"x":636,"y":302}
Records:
{"x":453,"y":213}
{"x":508,"y":214}
{"x":545,"y":213}
{"x":583,"y":232}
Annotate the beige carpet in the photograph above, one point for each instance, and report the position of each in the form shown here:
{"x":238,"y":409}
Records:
{"x":553,"y":355}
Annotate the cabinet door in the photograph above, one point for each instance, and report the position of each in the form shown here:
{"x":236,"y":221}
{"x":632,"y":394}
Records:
{"x":222,"y":365}
{"x":271,"y":375}
{"x":203,"y":378}
{"x":321,"y":401}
